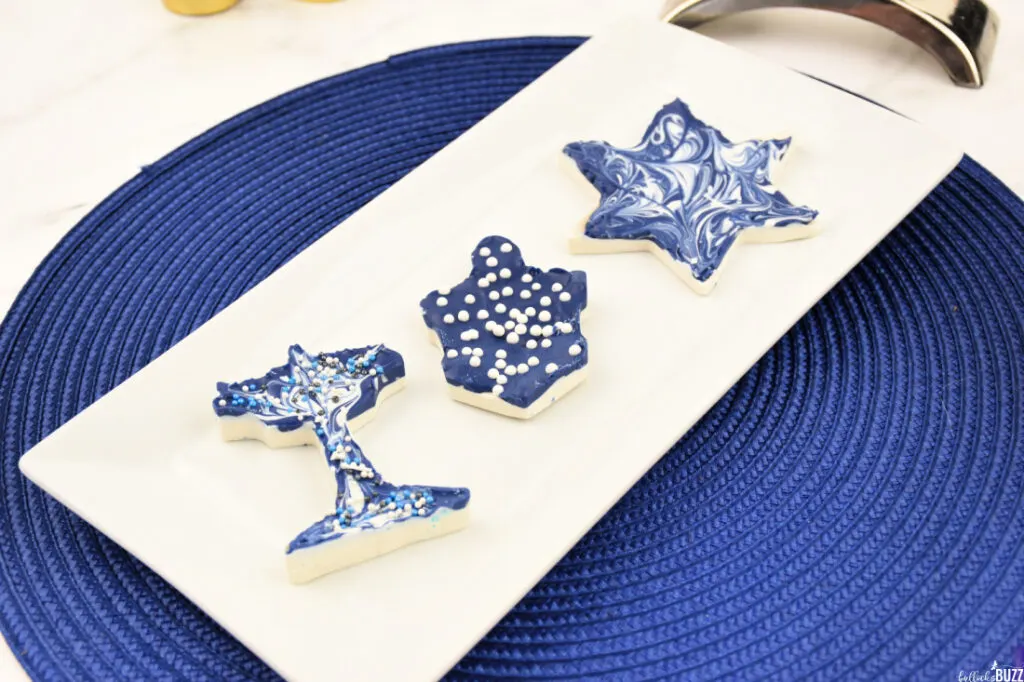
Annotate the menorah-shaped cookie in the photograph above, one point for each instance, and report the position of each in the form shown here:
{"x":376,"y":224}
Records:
{"x":319,"y":400}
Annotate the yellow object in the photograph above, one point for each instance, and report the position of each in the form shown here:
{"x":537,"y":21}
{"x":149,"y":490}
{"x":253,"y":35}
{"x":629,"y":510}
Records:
{"x":198,"y":7}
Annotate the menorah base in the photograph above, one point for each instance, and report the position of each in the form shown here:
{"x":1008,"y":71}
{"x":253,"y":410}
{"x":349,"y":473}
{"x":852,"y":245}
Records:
{"x":960,"y":34}
{"x":347,"y":550}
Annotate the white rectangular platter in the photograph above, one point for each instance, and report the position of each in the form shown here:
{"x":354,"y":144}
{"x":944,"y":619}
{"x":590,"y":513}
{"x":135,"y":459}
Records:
{"x":146,"y":466}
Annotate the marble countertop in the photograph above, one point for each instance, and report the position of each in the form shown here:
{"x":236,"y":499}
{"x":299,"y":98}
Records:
{"x":93,"y":91}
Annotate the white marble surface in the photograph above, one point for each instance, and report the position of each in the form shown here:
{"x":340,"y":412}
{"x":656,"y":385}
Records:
{"x":94,"y":90}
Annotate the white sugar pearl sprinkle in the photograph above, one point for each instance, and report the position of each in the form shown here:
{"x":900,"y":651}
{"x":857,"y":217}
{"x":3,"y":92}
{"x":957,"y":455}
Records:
{"x":531,"y":344}
{"x":556,"y":287}
{"x":483,"y":282}
{"x":494,"y":295}
{"x":463,"y":316}
{"x":491,"y":277}
{"x":546,"y":343}
{"x":510,"y":325}
{"x":532,"y":361}
{"x":444,"y":292}
{"x":498,"y":330}
{"x":511,"y":370}
{"x":550,"y":367}
{"x":506,"y":248}
{"x":452,"y":353}
{"x":497,"y":389}
{"x":466,"y":350}
{"x":442,"y":301}
{"x":564,"y":296}
{"x":526,"y":278}
{"x":520,"y":329}
{"x":492,"y":373}
{"x":484,"y":251}
{"x":470,"y":298}
{"x":482,"y":314}
{"x":535,"y":286}
{"x":548,"y":330}
{"x":500,"y":353}
{"x":531,"y":311}
{"x":474,"y":361}
{"x":512,"y":337}
{"x":504,"y":273}
{"x":500,"y":308}
{"x":536,"y":330}
{"x":522,"y":368}
{"x":478,"y":352}
{"x":500,"y":364}
{"x":491,"y":262}
{"x":502,"y":379}
{"x":544,"y":316}
{"x":470,"y":335}
{"x":449,"y":318}
{"x":525,"y":293}
{"x":575,"y":349}
{"x":545,"y":300}
{"x":507,"y":291}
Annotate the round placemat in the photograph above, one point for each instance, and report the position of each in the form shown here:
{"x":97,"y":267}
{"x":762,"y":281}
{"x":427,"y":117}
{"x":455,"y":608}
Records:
{"x":850,"y":509}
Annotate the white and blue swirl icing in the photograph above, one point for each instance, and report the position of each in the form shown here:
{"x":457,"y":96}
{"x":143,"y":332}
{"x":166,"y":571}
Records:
{"x":509,"y":329}
{"x":326,"y":391}
{"x":686,"y":188}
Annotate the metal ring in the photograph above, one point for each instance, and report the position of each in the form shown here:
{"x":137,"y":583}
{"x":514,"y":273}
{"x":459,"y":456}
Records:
{"x":961,"y":34}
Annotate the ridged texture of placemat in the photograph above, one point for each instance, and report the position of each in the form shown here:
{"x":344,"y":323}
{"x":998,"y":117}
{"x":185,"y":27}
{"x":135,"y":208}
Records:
{"x":851,"y":509}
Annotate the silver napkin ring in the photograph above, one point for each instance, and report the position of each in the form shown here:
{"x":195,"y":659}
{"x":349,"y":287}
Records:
{"x":961,"y":34}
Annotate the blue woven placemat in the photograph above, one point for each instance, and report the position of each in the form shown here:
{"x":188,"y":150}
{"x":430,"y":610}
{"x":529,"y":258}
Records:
{"x":850,"y":509}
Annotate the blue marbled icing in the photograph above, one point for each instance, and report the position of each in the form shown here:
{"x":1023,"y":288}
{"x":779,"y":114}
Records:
{"x":287,"y":396}
{"x":686,"y":188}
{"x":388,"y":504}
{"x":499,"y":298}
{"x":327,"y":391}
